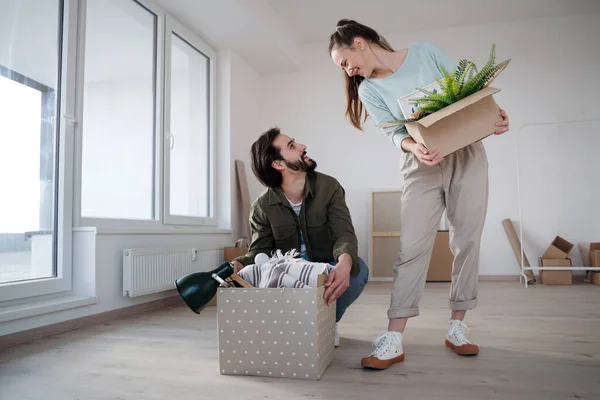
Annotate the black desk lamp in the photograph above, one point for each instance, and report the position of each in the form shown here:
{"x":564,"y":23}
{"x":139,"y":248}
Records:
{"x":198,"y":289}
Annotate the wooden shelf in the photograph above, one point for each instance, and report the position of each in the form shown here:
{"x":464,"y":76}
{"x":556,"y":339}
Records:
{"x":386,"y":234}
{"x":384,"y":240}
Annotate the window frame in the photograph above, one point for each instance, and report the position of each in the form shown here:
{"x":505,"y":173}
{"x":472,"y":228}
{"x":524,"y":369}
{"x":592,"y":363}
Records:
{"x":121,"y":224}
{"x":173,"y":27}
{"x":163,"y":222}
{"x":68,"y":117}
{"x":63,"y":183}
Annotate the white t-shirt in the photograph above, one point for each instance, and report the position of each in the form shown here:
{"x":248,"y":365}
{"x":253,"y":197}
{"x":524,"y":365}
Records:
{"x":297,"y":208}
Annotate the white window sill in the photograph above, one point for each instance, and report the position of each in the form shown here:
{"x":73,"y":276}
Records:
{"x":165,"y":230}
{"x":13,"y":312}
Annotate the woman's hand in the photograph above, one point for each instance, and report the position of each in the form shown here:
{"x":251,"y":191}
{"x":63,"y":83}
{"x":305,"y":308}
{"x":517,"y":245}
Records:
{"x":421,"y":152}
{"x":502,"y":124}
{"x":424,"y":156}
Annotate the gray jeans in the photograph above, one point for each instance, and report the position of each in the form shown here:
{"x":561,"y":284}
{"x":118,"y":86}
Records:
{"x":460,"y":185}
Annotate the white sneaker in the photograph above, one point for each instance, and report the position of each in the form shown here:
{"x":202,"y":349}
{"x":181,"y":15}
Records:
{"x":336,"y":338}
{"x":387,"y":351}
{"x":457,"y":340}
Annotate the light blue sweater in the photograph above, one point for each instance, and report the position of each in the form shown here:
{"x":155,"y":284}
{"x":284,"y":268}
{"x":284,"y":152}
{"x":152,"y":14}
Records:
{"x":380,"y":95}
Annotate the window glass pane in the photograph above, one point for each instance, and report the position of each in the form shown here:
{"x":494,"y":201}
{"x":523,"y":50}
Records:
{"x":189,"y":157}
{"x":29,"y":59}
{"x":119,"y":111}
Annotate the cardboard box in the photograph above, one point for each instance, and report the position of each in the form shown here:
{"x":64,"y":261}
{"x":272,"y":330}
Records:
{"x":459,"y":124}
{"x":558,"y":277}
{"x":559,"y":248}
{"x":229,"y":253}
{"x":594,"y":254}
{"x":595,"y":278}
{"x":284,"y":333}
{"x":440,"y":265}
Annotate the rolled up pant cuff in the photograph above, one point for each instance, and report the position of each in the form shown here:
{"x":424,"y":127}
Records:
{"x":394,"y":313}
{"x":462,"y":305}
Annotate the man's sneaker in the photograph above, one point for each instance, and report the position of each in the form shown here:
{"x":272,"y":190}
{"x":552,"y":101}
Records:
{"x":336,"y":338}
{"x":387,"y":351}
{"x":457,"y":340}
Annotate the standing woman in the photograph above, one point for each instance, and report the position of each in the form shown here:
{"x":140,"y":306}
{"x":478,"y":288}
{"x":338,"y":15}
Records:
{"x":376,"y":76}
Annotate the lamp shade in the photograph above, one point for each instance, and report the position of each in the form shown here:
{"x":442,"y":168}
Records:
{"x":198,"y":289}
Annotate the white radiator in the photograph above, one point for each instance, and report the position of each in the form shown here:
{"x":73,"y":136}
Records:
{"x":151,"y":270}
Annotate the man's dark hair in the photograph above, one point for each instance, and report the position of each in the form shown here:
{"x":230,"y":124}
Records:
{"x":262,"y":155}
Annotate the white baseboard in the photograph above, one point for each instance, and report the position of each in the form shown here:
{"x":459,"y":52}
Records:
{"x":69,"y":325}
{"x":482,"y":278}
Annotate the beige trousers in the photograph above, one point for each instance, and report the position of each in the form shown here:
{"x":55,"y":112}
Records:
{"x":460,"y":185}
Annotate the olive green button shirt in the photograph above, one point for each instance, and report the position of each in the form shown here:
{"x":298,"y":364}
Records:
{"x":324,"y":220}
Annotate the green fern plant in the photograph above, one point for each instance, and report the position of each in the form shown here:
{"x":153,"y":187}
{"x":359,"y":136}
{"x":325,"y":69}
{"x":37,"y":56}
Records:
{"x":463,"y":82}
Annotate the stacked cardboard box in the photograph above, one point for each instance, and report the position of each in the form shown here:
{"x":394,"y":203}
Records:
{"x":557,"y":255}
{"x":440,"y":265}
{"x":594,"y":261}
{"x":231,"y":253}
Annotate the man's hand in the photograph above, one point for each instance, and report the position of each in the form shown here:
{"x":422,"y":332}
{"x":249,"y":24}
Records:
{"x":339,"y":279}
{"x":237,"y":266}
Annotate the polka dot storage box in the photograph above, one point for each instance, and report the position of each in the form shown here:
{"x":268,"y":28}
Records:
{"x":283,"y":333}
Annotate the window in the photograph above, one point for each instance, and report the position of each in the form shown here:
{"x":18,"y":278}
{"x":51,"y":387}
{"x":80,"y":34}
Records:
{"x":35,"y":230}
{"x":27,"y":222}
{"x":148,"y":120}
{"x":189,"y":191}
{"x":119,"y":112}
{"x":142,"y":118}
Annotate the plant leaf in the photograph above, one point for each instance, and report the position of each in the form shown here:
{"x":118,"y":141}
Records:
{"x":465,"y":80}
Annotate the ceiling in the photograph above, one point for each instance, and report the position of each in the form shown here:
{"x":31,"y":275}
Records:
{"x":251,"y":28}
{"x":314,"y":20}
{"x":269,"y":34}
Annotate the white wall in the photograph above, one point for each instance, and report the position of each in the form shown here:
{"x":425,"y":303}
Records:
{"x":98,"y":258}
{"x":558,"y":190}
{"x":552,"y":77}
{"x":246,"y":126}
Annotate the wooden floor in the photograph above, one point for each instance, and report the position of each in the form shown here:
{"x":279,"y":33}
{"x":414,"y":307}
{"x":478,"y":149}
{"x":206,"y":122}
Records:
{"x":536,"y":343}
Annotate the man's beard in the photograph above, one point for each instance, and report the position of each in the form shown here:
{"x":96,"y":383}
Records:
{"x":301,"y":165}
